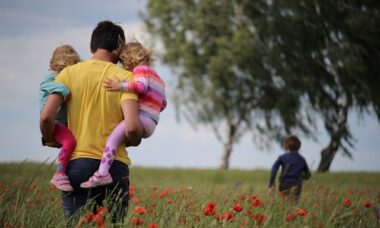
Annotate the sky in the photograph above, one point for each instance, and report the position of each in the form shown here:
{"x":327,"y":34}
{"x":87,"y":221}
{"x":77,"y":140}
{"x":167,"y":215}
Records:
{"x":29,"y":32}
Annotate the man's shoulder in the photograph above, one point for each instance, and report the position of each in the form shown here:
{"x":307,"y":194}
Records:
{"x":120,"y":72}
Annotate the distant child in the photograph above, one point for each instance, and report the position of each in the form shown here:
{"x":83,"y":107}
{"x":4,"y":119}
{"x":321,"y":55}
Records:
{"x":294,"y":169}
{"x":151,"y":90}
{"x":63,"y":56}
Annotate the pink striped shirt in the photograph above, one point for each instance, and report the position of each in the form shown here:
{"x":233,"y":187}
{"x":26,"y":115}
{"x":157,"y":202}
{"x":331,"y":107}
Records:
{"x":151,"y":90}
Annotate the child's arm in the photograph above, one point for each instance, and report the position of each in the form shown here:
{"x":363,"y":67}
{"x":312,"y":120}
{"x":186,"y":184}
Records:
{"x":273,"y":172}
{"x":306,"y":172}
{"x":51,"y":87}
{"x":139,"y":86}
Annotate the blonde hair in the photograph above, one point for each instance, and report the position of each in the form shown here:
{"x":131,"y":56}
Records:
{"x":134,"y":54}
{"x":63,"y":56}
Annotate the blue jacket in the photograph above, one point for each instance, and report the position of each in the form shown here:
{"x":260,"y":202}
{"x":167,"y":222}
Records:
{"x":293,"y":168}
{"x":48,"y":86}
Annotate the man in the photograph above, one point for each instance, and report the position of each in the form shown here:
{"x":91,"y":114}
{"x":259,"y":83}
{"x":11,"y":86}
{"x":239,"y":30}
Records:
{"x":92,"y":114}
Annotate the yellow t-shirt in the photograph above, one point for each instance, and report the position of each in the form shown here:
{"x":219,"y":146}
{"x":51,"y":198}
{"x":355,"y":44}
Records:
{"x":92,"y":111}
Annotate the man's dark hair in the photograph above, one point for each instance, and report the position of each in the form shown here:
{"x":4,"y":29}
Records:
{"x":107,"y":35}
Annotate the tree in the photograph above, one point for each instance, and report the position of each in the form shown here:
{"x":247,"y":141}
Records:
{"x":224,"y":80}
{"x":267,"y":67}
{"x":332,"y":48}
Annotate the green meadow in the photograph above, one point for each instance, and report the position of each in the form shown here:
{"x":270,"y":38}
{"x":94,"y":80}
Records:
{"x":197,"y":198}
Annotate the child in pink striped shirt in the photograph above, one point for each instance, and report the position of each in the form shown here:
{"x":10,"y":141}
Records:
{"x":151,"y":90}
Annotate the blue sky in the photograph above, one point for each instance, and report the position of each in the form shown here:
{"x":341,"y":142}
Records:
{"x":30,"y":30}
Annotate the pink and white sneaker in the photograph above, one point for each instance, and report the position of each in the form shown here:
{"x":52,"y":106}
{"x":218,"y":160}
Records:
{"x":97,"y":180}
{"x":61,"y":181}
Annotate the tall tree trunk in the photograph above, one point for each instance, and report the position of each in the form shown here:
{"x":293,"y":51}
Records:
{"x":228,"y":145}
{"x":337,"y":133}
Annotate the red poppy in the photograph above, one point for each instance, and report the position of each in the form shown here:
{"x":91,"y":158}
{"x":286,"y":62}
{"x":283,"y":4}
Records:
{"x":136,"y":199}
{"x":290,"y":217}
{"x":137,"y":221}
{"x":153,"y":225}
{"x":243,"y":224}
{"x":169,"y":201}
{"x":98,"y":219}
{"x":254,"y":196}
{"x":52,"y":188}
{"x":209,"y":209}
{"x":260,"y":218}
{"x":302,"y":212}
{"x":139,"y":210}
{"x":165,"y":192}
{"x":237,"y":207}
{"x":367,"y":203}
{"x":256,"y":202}
{"x":132,"y":188}
{"x":347,"y":202}
{"x":228,"y":216}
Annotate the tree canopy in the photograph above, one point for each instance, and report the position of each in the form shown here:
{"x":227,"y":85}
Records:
{"x":269,"y":67}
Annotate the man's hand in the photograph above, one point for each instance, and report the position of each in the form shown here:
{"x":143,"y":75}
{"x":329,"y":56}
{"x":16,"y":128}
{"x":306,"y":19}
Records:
{"x":111,"y":85}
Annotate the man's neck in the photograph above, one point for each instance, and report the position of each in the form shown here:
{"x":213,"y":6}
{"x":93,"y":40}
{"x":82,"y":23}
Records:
{"x":103,"y":55}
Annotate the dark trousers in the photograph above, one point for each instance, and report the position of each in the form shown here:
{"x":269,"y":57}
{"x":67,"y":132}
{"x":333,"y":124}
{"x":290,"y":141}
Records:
{"x":291,"y":188}
{"x":117,"y":193}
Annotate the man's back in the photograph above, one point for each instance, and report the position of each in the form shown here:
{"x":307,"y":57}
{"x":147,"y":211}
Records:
{"x":92,"y":111}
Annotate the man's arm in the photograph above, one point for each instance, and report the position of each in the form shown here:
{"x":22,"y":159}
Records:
{"x":47,"y":117}
{"x":133,"y":128}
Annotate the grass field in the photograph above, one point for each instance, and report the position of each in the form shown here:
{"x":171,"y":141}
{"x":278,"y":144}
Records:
{"x":198,"y":198}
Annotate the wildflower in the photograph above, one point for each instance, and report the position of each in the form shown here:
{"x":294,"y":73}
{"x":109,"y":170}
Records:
{"x":102,"y":211}
{"x":302,"y":212}
{"x":290,"y":217}
{"x":153,"y":225}
{"x":243,"y":224}
{"x":256,"y":202}
{"x":53,"y":188}
{"x":85,"y":218}
{"x":367,"y":203}
{"x":139,"y":210}
{"x":209,"y":209}
{"x":169,"y":201}
{"x":254,"y":196}
{"x":98,"y":219}
{"x":136,"y":199}
{"x":137,"y":221}
{"x":237,"y":207}
{"x":228,"y":216}
{"x":165,"y":192}
{"x":347,"y":202}
{"x":132,"y":188}
{"x":260,"y":218}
